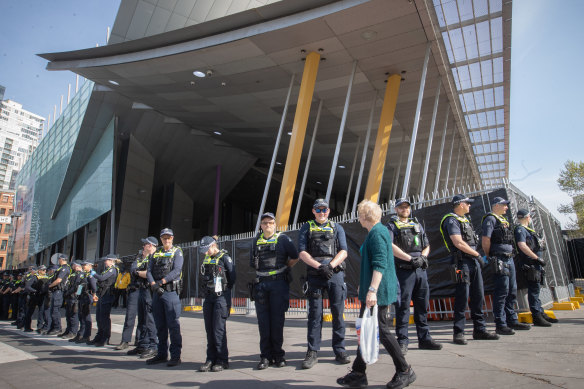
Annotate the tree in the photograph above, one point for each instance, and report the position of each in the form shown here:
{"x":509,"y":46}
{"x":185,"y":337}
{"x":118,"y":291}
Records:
{"x":571,"y":181}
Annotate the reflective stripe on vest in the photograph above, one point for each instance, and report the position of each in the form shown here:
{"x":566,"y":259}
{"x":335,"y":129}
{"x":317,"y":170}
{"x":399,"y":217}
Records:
{"x":461,"y":219}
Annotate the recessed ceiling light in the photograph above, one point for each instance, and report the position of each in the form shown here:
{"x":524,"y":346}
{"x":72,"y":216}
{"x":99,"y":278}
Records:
{"x":289,"y":132}
{"x":278,"y":163}
{"x":199,"y":73}
{"x":368,"y":35}
{"x":341,"y":166}
{"x":113,"y":82}
{"x":318,"y":182}
{"x":217,"y":132}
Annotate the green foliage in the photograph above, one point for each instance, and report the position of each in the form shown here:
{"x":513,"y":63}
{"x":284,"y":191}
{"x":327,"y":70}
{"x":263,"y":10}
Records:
{"x":571,"y":181}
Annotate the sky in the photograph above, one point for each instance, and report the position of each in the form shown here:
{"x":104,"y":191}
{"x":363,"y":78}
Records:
{"x":546,"y":102}
{"x":546,"y":76}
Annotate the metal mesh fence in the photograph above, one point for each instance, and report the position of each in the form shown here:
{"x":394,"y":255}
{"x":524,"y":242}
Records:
{"x":557,"y":277}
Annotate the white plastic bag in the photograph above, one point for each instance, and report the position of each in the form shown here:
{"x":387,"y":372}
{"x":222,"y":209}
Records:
{"x":369,"y":337}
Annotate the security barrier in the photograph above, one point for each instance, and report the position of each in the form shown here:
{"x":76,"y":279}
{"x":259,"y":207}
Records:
{"x":428,"y":211}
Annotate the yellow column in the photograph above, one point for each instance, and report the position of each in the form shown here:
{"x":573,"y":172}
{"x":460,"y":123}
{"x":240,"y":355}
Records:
{"x":382,"y":140}
{"x":297,"y":139}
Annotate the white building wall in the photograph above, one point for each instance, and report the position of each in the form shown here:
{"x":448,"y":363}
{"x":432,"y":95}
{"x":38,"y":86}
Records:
{"x":20,"y":134}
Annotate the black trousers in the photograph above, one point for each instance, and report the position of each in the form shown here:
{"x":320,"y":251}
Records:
{"x":386,"y":338}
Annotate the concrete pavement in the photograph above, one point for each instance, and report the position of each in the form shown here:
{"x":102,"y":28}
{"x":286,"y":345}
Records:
{"x":539,"y":358}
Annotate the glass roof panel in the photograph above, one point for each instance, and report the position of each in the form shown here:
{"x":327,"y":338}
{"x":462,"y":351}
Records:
{"x":487,"y":71}
{"x":450,"y":9}
{"x":473,"y":29}
{"x":499,"y":96}
{"x":475,"y":74}
{"x":484,"y":38}
{"x":470,"y":40}
{"x":497,"y":34}
{"x":495,"y":5}
{"x":457,"y":44}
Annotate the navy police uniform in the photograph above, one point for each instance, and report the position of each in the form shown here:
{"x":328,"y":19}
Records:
{"x":166,"y":305}
{"x":218,"y":274}
{"x":56,"y":297}
{"x":501,"y":255}
{"x":271,"y":291}
{"x":30,"y":296}
{"x":88,"y":289}
{"x":105,"y":294}
{"x":469,"y":276}
{"x":72,"y":293}
{"x":146,"y":330}
{"x":411,"y":238}
{"x":532,"y":269}
{"x":323,"y":242}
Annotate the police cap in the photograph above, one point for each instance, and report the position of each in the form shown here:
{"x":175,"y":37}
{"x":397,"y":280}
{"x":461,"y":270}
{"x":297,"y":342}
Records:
{"x":523,"y":213}
{"x":206,"y":243}
{"x":42,"y":267}
{"x":268,"y":214}
{"x":460,"y":198}
{"x":500,"y":200}
{"x":320,"y":203}
{"x":166,"y":231}
{"x":401,"y":201}
{"x":150,"y":240}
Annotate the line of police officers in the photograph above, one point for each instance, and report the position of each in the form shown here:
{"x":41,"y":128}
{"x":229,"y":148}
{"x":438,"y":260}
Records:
{"x":156,"y":284}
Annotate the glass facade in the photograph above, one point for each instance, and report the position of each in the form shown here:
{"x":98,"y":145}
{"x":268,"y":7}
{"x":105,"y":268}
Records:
{"x":40,"y":181}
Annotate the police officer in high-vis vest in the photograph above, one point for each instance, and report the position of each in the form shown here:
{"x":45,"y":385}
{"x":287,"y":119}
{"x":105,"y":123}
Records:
{"x":87,"y":289}
{"x":164,"y":277}
{"x":273,"y":254}
{"x":56,"y":288}
{"x":322,"y":247}
{"x":462,"y":242}
{"x":146,"y":332}
{"x":530,"y":247}
{"x":498,"y":242}
{"x":411,"y":248}
{"x":218,"y":276}
{"x":105,"y":298}
{"x":76,"y":277}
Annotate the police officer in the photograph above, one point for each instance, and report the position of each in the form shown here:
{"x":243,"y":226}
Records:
{"x":411,"y":248}
{"x":72,"y":293}
{"x":218,"y":273}
{"x":46,"y":296}
{"x":30,"y":299}
{"x":130,"y":297}
{"x":86,"y":297}
{"x":323,"y":248}
{"x":105,"y":298}
{"x":461,"y":240}
{"x":18,"y":301}
{"x":497,"y":242}
{"x":272,"y":257}
{"x":56,"y":287}
{"x":74,"y":289}
{"x":139,"y":303}
{"x":530,"y":246}
{"x":164,"y":276}
{"x":146,"y":332}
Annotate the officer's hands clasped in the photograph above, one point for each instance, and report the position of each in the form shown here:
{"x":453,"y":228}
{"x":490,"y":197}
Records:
{"x":326,"y":271}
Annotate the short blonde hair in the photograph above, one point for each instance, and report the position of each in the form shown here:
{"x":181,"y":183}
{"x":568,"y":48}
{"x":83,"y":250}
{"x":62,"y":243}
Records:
{"x":369,"y":211}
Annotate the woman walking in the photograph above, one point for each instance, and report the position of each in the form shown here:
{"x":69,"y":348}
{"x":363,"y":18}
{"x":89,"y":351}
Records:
{"x":378,"y":285}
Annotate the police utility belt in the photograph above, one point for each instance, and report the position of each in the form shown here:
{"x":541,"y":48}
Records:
{"x":272,"y":275}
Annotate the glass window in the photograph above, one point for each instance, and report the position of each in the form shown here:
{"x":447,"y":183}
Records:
{"x":4,"y":244}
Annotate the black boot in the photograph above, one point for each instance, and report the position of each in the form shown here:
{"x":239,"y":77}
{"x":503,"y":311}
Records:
{"x":549,"y":318}
{"x":539,"y":321}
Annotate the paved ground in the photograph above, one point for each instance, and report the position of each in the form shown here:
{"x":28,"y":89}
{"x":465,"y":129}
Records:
{"x":541,"y":357}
